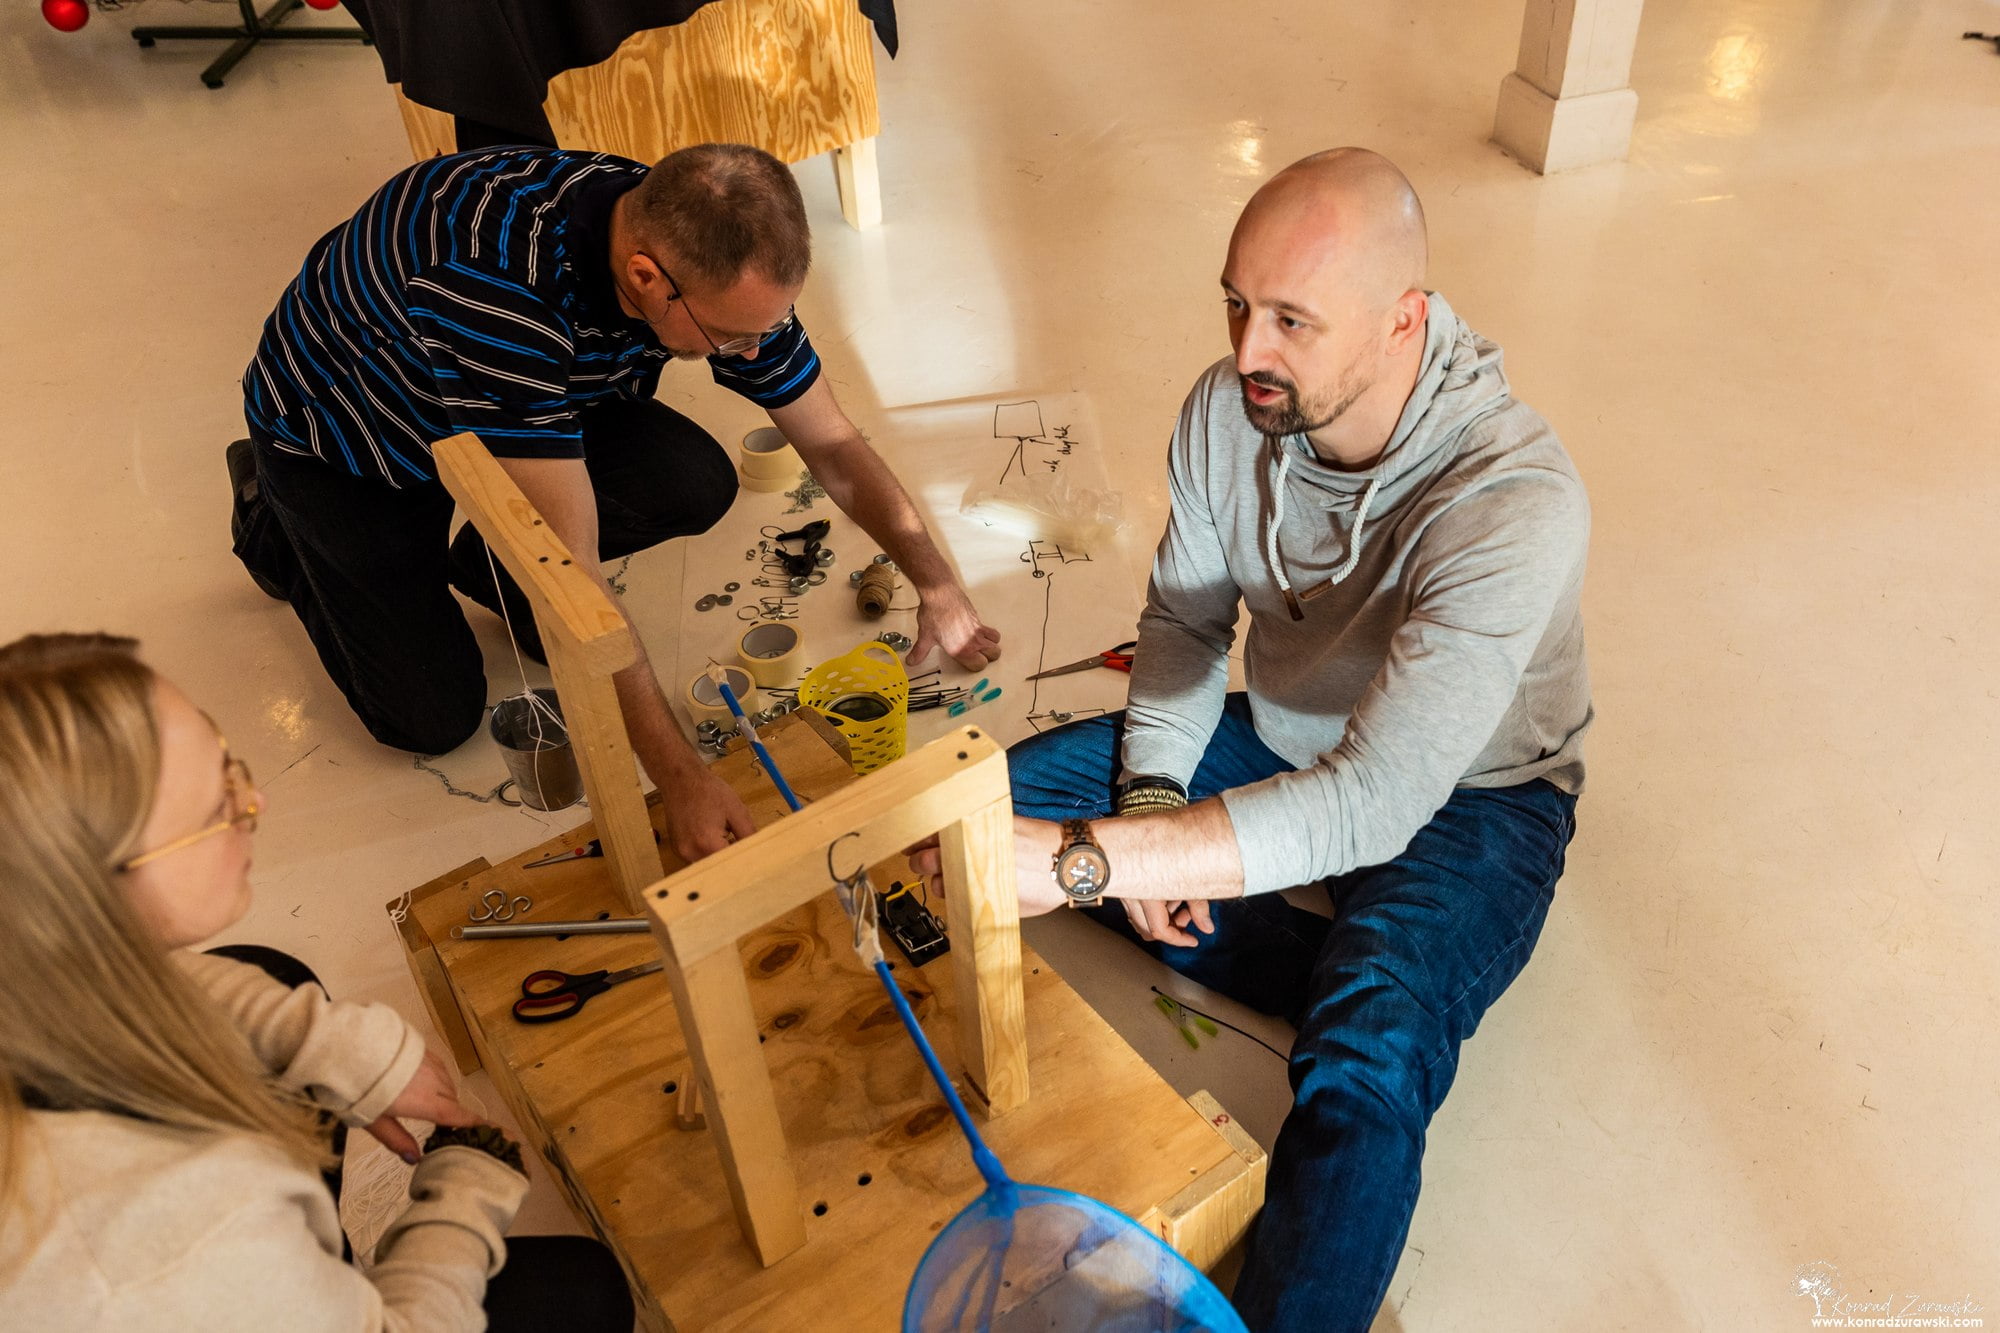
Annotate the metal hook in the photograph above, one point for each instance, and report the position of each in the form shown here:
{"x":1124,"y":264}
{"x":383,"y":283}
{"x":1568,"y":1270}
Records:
{"x":838,"y":878}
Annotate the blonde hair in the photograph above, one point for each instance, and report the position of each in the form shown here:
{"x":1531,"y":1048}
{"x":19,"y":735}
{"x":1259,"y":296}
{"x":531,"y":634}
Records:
{"x":94,"y":1013}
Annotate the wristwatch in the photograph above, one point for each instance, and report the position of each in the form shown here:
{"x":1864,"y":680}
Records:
{"x":1081,"y":870}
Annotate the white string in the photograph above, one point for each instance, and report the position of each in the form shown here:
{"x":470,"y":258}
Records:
{"x":538,"y":707}
{"x":1278,"y":518}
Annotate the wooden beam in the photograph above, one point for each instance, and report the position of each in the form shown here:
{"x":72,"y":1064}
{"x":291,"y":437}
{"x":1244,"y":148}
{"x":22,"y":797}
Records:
{"x":859,"y":184}
{"x":587,"y":639}
{"x":570,"y":605}
{"x":721,"y":1030}
{"x":982,"y":912}
{"x":707,"y":907}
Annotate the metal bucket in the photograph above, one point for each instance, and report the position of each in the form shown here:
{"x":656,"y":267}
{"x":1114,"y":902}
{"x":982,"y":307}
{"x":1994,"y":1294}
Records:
{"x":536,"y":747}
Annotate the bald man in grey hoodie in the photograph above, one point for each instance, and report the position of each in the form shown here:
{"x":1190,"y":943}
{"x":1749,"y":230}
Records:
{"x":1409,"y":542}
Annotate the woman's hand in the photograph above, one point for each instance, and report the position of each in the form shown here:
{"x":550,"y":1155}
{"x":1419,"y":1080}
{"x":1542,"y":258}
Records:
{"x":431,"y":1094}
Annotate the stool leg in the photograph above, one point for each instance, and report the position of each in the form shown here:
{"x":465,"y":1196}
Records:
{"x":860,"y":184}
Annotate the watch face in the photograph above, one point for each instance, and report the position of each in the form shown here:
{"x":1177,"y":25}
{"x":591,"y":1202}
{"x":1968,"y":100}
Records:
{"x":1082,"y":870}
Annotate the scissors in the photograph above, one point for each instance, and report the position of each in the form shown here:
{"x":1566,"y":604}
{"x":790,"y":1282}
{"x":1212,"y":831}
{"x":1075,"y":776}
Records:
{"x":1118,"y":659}
{"x":549,"y":995}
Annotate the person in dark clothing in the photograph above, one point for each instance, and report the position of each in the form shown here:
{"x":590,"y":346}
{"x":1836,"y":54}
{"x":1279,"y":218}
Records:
{"x":532,"y":296}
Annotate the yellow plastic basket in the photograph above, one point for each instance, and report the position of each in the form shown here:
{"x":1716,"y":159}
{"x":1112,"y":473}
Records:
{"x":866,"y":695}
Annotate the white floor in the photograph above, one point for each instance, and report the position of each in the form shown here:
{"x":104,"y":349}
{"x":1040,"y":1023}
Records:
{"x":1760,"y":1029}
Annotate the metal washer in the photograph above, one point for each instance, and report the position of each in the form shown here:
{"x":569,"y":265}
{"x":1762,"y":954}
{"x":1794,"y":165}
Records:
{"x":707,"y":602}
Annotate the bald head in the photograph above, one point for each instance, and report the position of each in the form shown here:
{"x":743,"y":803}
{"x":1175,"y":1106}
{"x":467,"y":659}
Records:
{"x":1354,"y":213}
{"x":1325,"y":289}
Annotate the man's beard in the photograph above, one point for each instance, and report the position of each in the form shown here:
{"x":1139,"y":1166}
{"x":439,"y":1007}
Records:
{"x":1293,"y":415}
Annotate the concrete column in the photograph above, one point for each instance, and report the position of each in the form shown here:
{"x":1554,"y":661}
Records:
{"x":1567,"y":104}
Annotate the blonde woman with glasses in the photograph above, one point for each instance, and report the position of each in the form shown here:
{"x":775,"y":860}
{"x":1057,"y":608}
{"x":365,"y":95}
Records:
{"x":171,"y":1122}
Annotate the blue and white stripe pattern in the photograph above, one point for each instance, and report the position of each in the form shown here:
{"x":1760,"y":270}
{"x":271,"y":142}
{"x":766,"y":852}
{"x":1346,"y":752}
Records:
{"x":472,"y":292}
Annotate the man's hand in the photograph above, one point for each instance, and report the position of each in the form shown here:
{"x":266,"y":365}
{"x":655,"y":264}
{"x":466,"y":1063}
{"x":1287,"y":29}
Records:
{"x":1169,"y":922}
{"x":431,"y":1094}
{"x":1035,"y":843}
{"x":704,"y":814}
{"x":948,"y":620}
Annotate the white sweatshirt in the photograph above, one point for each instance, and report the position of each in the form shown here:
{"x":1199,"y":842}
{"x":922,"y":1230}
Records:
{"x":138,"y":1226}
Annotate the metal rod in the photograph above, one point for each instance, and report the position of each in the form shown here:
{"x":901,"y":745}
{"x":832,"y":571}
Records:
{"x":635,"y":925}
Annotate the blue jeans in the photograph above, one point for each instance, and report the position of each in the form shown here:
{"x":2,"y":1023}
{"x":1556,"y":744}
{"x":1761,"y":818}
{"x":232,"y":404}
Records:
{"x":1382,"y":995}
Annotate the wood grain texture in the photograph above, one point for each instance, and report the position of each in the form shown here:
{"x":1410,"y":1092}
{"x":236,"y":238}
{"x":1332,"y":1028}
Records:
{"x":1213,"y":1214}
{"x":859,"y":181}
{"x":708,"y":907}
{"x":597,"y":1094}
{"x":430,"y":132}
{"x":982,"y":900}
{"x":587,"y":639}
{"x":793,"y":77}
{"x":440,"y":1001}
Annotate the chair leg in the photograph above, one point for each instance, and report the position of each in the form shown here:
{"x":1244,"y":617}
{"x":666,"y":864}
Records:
{"x":860,"y":184}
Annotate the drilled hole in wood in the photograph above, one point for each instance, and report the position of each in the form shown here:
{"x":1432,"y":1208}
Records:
{"x":662,"y":893}
{"x":692,"y":896}
{"x":864,"y":1179}
{"x":819,"y":1210}
{"x":604,"y":916}
{"x":544,"y":559}
{"x":961,"y":754}
{"x":565,"y":562}
{"x":670,"y":1087}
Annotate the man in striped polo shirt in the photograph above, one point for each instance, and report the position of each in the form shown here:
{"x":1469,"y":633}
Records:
{"x":533,"y":296}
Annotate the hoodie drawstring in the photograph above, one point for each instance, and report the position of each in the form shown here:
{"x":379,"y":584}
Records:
{"x":1278,"y":518}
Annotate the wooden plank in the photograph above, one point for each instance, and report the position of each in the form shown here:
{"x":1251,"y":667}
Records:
{"x":708,"y":907}
{"x":1213,"y":1214}
{"x":603,"y":750}
{"x":793,"y":77}
{"x":420,"y":953}
{"x":860,"y":184}
{"x":852,"y":1094}
{"x":429,"y":132}
{"x":714,"y":1002}
{"x":983,"y":902}
{"x":587,"y":639}
{"x":570,"y":605}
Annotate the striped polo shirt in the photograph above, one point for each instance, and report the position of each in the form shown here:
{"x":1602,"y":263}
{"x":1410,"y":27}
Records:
{"x":472,"y":292}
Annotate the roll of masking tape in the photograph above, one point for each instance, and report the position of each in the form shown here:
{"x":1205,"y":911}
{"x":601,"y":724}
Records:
{"x":768,"y":455}
{"x":769,"y":484}
{"x":704,"y":700}
{"x":771,"y":653}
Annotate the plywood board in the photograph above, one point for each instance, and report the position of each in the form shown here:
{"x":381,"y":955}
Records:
{"x":870,"y":1138}
{"x":793,"y":77}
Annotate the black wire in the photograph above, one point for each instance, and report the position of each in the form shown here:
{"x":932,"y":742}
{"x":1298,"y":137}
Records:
{"x":1223,"y":1021}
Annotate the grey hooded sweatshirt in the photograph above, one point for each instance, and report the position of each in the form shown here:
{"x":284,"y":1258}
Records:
{"x":1437,"y":641}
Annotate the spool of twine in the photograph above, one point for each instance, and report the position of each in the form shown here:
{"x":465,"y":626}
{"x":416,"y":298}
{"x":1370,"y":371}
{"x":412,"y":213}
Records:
{"x":875,"y":592}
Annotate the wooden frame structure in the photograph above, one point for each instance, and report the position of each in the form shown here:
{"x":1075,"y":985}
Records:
{"x":766,"y":993}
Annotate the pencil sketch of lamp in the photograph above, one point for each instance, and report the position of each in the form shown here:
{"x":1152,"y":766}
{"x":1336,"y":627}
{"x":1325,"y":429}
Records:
{"x":1817,"y":1280}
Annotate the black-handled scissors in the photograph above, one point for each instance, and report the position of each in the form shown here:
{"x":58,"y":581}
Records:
{"x":549,"y":995}
{"x":1118,"y":659}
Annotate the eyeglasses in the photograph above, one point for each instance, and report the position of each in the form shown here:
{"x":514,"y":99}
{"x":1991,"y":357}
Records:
{"x":735,"y":346}
{"x":237,"y":797}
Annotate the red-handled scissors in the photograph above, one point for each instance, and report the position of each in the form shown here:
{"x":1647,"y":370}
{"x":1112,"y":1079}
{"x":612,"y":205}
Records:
{"x":549,"y":995}
{"x":1118,"y":659}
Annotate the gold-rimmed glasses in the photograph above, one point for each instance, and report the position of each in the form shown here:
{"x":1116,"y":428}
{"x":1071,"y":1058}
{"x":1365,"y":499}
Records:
{"x":742,"y":346}
{"x":238,"y":799}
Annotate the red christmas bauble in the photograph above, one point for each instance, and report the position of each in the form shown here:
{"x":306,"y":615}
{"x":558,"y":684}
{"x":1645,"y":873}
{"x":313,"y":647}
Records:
{"x":65,"y":15}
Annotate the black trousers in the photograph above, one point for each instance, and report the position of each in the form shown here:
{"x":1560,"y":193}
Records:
{"x":370,"y":570}
{"x":549,"y":1282}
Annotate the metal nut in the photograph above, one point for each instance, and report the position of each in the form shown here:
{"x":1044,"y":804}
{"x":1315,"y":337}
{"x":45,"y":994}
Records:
{"x":824,"y":558}
{"x":855,"y":577}
{"x":895,"y":639}
{"x":881,"y":559}
{"x":797,"y":584}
